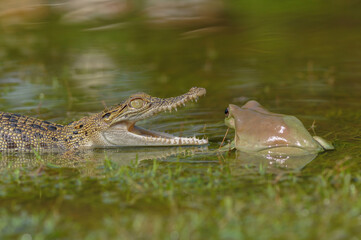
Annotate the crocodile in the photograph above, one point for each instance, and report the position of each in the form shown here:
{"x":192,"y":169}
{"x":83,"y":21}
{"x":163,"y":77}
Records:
{"x":113,"y":127}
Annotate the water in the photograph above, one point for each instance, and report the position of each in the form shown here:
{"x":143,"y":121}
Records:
{"x":305,"y":62}
{"x":61,"y":78}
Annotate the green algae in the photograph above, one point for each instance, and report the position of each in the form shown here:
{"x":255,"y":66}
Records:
{"x":158,"y":200}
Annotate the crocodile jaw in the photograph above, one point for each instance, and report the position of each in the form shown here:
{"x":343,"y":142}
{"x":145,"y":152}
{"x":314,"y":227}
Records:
{"x":117,"y":124}
{"x":127,"y":134}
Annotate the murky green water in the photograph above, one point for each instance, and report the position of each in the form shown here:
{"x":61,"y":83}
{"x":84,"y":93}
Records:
{"x":302,"y":60}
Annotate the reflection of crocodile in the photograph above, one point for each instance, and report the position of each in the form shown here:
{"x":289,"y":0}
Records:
{"x":90,"y":162}
{"x":109,"y":128}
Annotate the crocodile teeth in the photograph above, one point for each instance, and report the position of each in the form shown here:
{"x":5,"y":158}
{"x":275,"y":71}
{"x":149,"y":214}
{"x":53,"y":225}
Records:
{"x":177,"y":140}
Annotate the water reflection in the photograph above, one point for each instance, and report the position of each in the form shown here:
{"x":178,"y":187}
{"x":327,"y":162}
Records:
{"x":274,"y":163}
{"x":89,"y":162}
{"x":188,"y":12}
{"x":76,"y":11}
{"x":90,"y":71}
{"x":93,"y":66}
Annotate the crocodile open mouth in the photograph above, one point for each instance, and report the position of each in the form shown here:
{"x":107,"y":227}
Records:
{"x":165,"y":138}
{"x":124,"y":133}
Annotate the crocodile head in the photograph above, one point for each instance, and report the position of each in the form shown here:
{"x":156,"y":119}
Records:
{"x":116,"y":126}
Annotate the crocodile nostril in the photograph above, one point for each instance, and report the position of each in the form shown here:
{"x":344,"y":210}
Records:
{"x":226,"y":112}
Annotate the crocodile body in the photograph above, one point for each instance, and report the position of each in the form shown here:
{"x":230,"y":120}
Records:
{"x":23,"y":133}
{"x":112,"y":127}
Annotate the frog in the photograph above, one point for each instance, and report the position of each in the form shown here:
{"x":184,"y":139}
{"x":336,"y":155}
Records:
{"x":258,"y":130}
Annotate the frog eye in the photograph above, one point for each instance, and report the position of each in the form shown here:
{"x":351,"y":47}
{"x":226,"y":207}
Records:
{"x":226,"y":112}
{"x":136,"y":103}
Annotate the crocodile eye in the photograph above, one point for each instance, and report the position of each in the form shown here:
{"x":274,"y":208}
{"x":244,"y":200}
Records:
{"x":136,"y":103}
{"x":106,"y":116}
{"x":226,"y":112}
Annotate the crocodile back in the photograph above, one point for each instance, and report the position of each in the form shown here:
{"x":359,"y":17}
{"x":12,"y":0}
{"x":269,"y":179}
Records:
{"x":25,"y":134}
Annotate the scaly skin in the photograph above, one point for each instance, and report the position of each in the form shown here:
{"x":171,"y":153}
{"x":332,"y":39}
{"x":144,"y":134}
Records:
{"x":112,"y":127}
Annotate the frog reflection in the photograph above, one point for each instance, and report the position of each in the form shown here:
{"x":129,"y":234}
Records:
{"x":261,"y":131}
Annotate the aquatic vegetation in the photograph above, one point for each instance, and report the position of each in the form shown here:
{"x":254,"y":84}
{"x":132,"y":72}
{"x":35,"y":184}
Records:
{"x":162,"y":199}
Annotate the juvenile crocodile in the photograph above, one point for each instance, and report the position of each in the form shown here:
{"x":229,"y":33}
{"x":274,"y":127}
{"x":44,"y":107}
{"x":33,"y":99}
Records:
{"x":112,"y":127}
